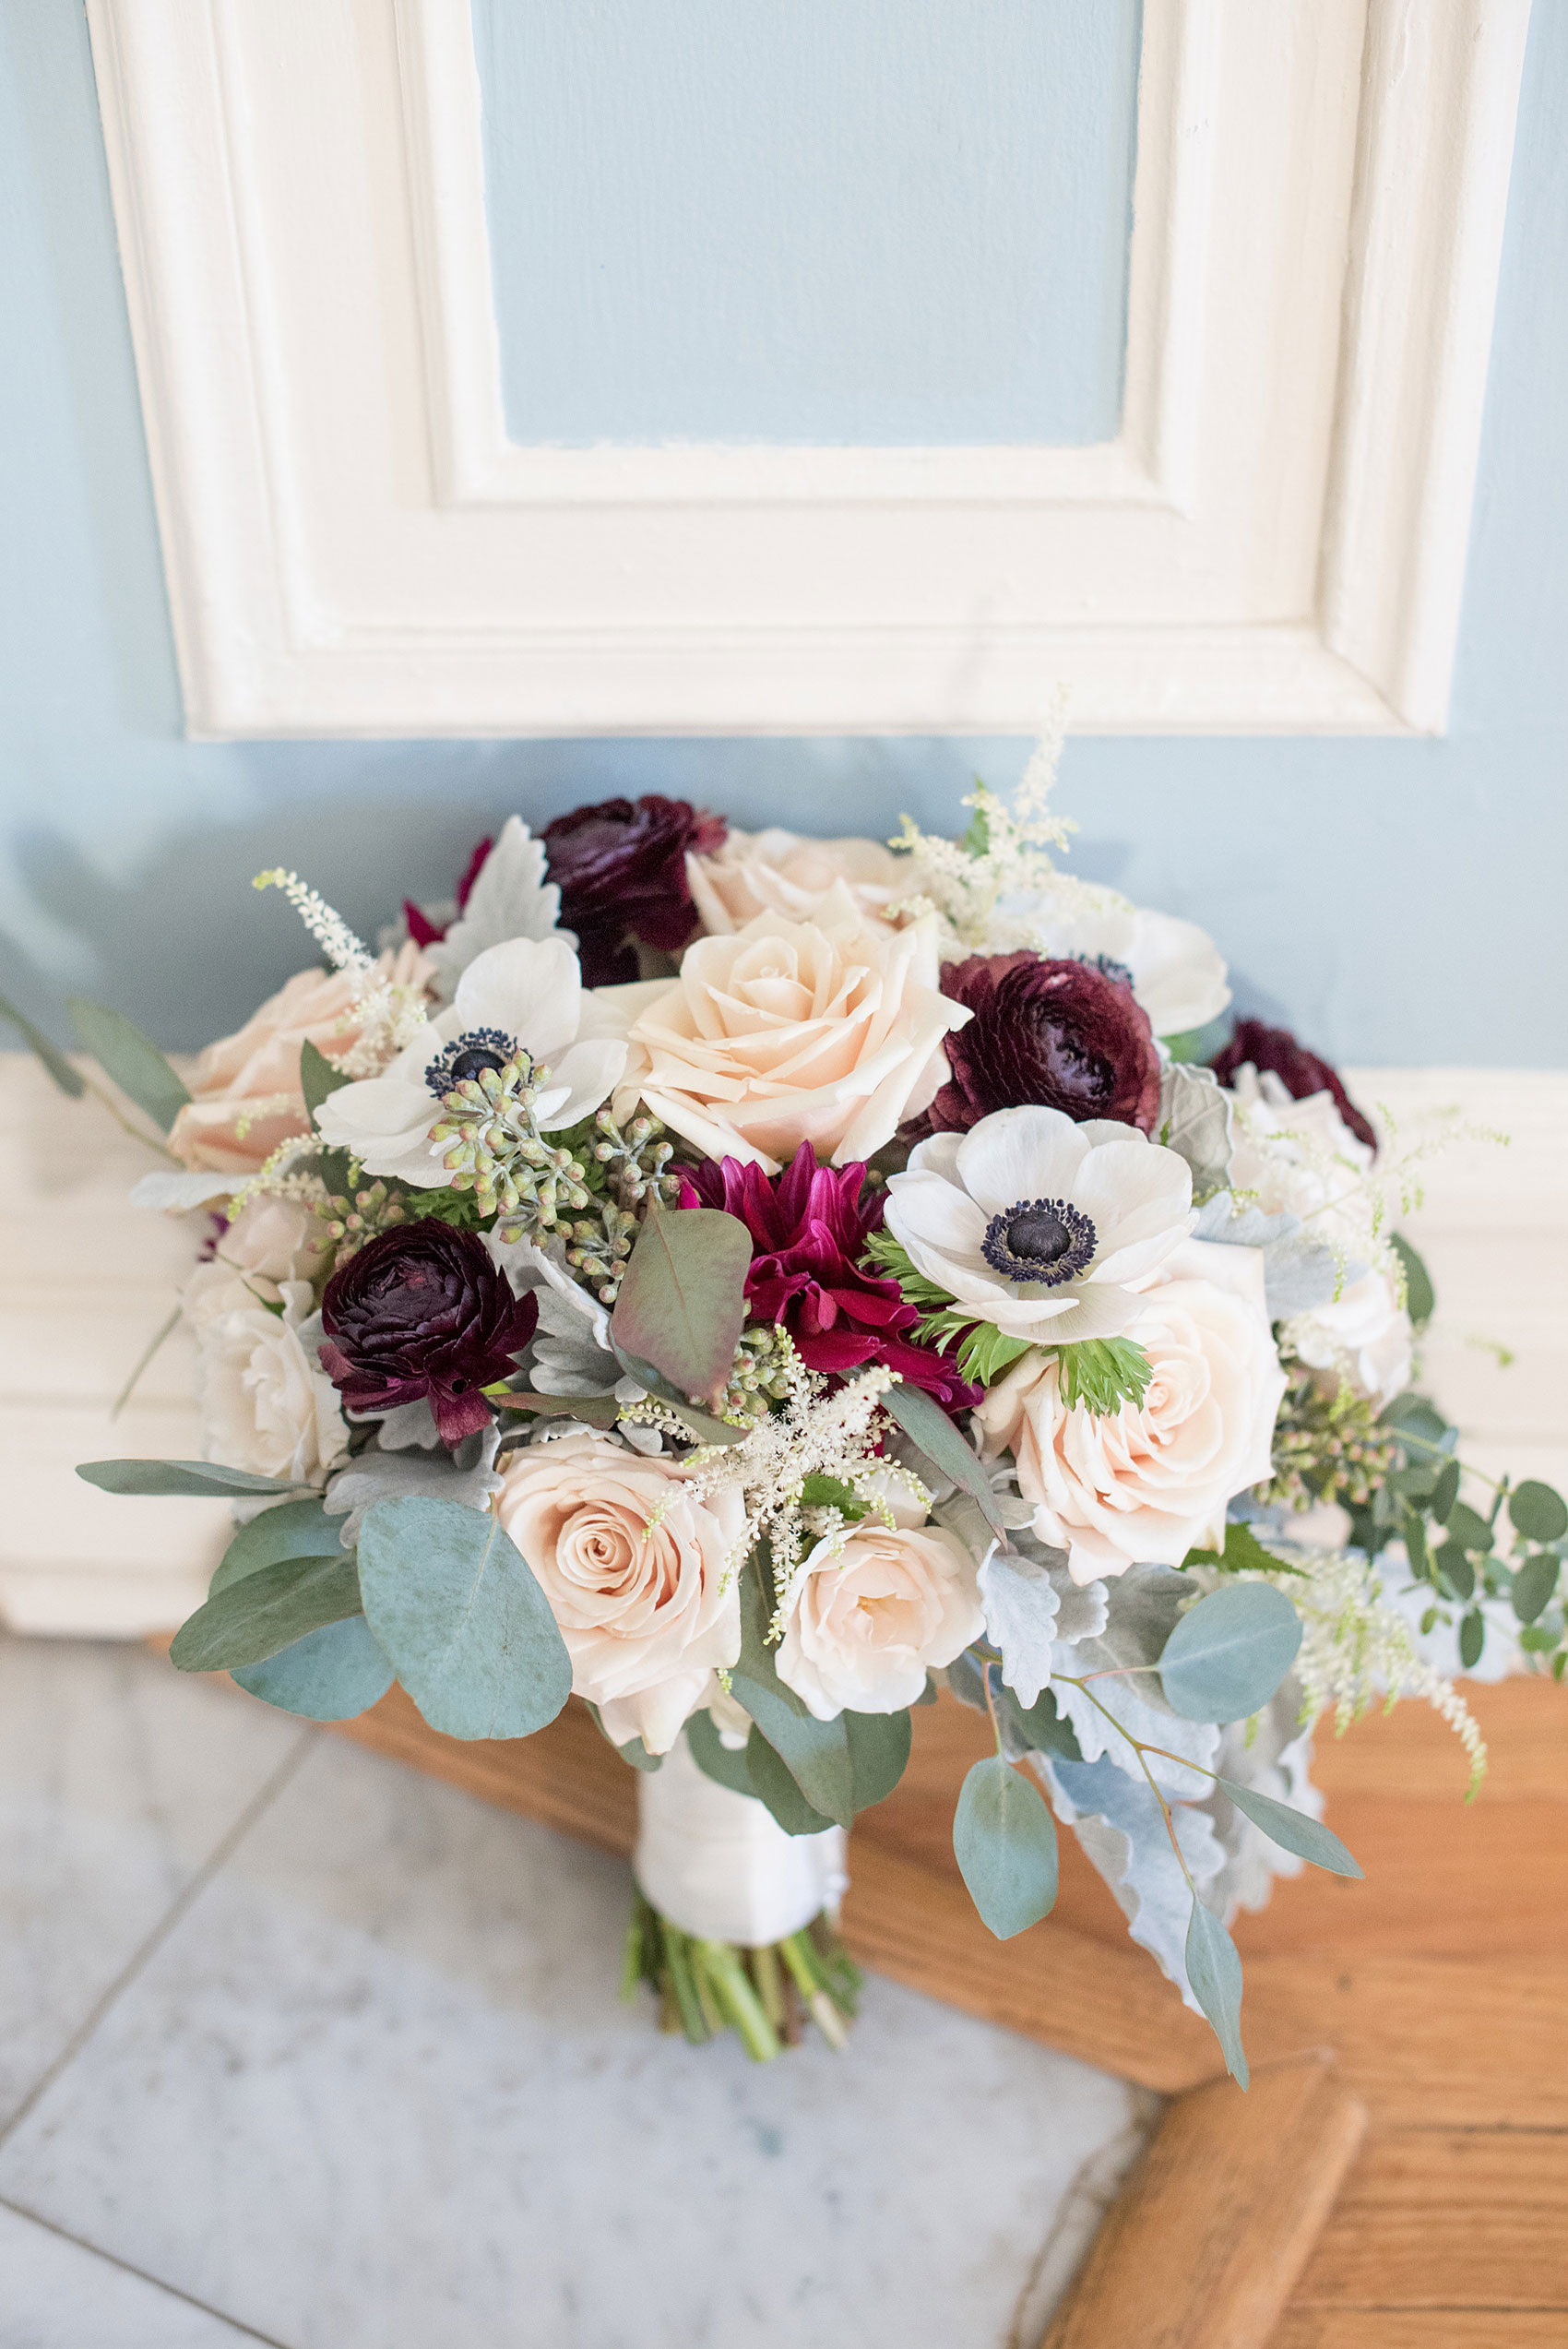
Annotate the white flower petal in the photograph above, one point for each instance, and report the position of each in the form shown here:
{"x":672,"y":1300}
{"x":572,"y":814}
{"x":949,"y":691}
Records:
{"x":585,"y":1074}
{"x":528,"y":988}
{"x":1028,"y":1154}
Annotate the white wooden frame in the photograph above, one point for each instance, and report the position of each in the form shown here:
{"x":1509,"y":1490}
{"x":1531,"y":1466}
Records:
{"x":1275,"y":541}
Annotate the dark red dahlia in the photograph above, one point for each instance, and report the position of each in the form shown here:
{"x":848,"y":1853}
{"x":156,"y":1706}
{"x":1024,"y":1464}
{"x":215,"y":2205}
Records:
{"x":1300,"y":1071}
{"x":422,"y":929}
{"x":422,"y":1310}
{"x":808,"y":1229}
{"x":621,"y":867}
{"x":1065,"y":1034}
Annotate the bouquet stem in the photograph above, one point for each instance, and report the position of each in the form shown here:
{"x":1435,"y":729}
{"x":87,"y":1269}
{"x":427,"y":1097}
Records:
{"x":706,"y":1988}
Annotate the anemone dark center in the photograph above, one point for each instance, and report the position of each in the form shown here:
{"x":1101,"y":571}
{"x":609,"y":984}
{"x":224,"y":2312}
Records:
{"x":465,"y":1056}
{"x":1045,"y":1241}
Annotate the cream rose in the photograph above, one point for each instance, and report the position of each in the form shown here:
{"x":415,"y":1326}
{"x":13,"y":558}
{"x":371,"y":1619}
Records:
{"x":273,"y":1240}
{"x":245,"y":1096}
{"x":1301,"y":1158}
{"x":778,"y":872}
{"x":1145,"y":1486}
{"x":636,"y":1572}
{"x":827,"y":1031}
{"x":265,"y":1403}
{"x":865,"y":1620}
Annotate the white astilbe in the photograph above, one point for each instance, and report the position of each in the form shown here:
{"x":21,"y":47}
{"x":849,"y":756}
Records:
{"x":1356,"y":1649}
{"x":283,"y":1176}
{"x":818,"y":1430}
{"x":384,"y":1014}
{"x":1001,"y":891}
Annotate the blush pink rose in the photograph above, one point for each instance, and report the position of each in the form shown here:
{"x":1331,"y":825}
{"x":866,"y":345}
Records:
{"x":1145,"y":1486}
{"x":864,"y":1620}
{"x":639,"y":1575}
{"x":778,"y":872}
{"x":245,"y":1096}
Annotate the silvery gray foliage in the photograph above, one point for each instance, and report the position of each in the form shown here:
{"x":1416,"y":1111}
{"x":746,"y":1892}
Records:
{"x":1143,"y":1605}
{"x":1298,"y":1274}
{"x":511,"y":899}
{"x":1021,"y":1605}
{"x":466,"y":1475}
{"x":1276,"y":1762}
{"x":1194,"y":1121}
{"x":1120,"y":1825}
{"x":571,"y":1352}
{"x":404,"y":1424}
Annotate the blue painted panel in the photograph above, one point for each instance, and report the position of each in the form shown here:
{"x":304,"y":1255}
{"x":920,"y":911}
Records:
{"x":1398,"y":901}
{"x":830,"y":222}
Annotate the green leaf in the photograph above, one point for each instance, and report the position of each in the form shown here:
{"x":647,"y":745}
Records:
{"x":726,"y":1764}
{"x":1228,"y":1656}
{"x":330,"y":1674}
{"x":265,"y":1610}
{"x":831,"y":1492}
{"x":1041,"y":1725}
{"x":1243,"y":1554}
{"x":468,"y":1630}
{"x":294,"y":1529}
{"x":1005,"y":1841}
{"x":681,"y":1305}
{"x":318,"y":1078}
{"x":985,"y":1352}
{"x":928,"y":1426}
{"x":1466,"y":1527}
{"x":637,"y":1755}
{"x":1416,"y":1550}
{"x":132,"y":1059}
{"x":1472,"y":1639}
{"x":774,"y":1785}
{"x":1454,"y":1572}
{"x":70,"y":1081}
{"x":1215,"y":1971}
{"x":879,"y":1749}
{"x":1538,"y":1511}
{"x":816,"y":1753}
{"x":1444,"y":1492}
{"x":1535,"y":1583}
{"x":1098,"y":1375}
{"x":1308,"y":1838}
{"x":1419,"y":1294}
{"x":594,"y":1410}
{"x":204,"y":1479}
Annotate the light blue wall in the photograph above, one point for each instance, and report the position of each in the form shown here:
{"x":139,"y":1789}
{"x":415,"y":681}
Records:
{"x":1403,"y":900}
{"x":835,"y":220}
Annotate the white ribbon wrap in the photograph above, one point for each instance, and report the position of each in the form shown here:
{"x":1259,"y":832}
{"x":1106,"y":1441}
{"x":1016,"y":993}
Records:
{"x":718,"y":1865}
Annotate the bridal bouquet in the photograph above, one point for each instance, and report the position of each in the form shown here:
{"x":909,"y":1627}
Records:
{"x":754,"y":1284}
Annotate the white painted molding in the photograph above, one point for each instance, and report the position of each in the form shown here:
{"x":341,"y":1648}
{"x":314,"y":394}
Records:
{"x":1275,"y":542}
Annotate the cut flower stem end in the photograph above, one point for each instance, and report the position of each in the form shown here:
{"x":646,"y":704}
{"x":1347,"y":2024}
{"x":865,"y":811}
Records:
{"x":765,"y":1995}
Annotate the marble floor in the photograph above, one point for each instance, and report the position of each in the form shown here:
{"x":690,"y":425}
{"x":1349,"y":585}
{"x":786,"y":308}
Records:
{"x":297,"y":2046}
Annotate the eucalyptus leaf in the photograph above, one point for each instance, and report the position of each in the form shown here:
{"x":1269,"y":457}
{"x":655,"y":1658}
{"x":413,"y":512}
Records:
{"x":726,"y":1764}
{"x":1308,"y":1838}
{"x":928,"y":1426}
{"x":318,"y":1078}
{"x":1472,"y":1639}
{"x":1005,"y":1841}
{"x":469,"y":1632}
{"x":265,"y":1610}
{"x":879,"y":1752}
{"x":132,"y":1059}
{"x":1444,"y":1491}
{"x":636,"y":1754}
{"x":294,"y":1529}
{"x":1454,"y":1572}
{"x":816,"y":1753}
{"x":330,"y":1674}
{"x":1419,"y":1294}
{"x":1039,"y":1728}
{"x":1535,"y":1582}
{"x":70,"y":1081}
{"x":594,"y":1410}
{"x":1538,"y":1511}
{"x":774,"y":1785}
{"x":1469,"y":1528}
{"x":682,"y":1304}
{"x":1215,"y":1971}
{"x":203,"y":1479}
{"x":1226,"y":1657}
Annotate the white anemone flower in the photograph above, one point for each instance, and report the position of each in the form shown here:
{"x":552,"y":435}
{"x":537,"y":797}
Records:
{"x":1042,"y":1227}
{"x":525,"y":995}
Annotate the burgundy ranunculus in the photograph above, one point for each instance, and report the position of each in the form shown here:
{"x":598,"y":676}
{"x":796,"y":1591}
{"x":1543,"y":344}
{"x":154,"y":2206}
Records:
{"x":621,"y":867}
{"x":1068,"y":1035}
{"x":808,"y":1229}
{"x":422,"y":1310}
{"x":422,"y":929}
{"x":1300,"y":1071}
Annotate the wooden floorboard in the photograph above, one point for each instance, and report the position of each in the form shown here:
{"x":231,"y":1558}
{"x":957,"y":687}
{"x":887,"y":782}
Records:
{"x":1447,"y":2219}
